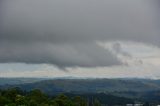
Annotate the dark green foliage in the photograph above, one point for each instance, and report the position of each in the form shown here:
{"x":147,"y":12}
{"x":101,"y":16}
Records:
{"x":4,"y":100}
{"x":37,"y":96}
{"x":16,"y":97}
{"x":63,"y":100}
{"x":79,"y":101}
{"x":96,"y":103}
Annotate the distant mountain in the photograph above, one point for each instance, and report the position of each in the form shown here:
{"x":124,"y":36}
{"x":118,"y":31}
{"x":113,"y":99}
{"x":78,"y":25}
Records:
{"x":13,"y":81}
{"x":54,"y":86}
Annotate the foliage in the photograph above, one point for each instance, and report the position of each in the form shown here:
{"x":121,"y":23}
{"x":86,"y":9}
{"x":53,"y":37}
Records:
{"x":16,"y":97}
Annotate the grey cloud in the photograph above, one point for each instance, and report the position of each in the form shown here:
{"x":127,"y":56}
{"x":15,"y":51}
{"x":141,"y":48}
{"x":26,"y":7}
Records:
{"x":75,"y":20}
{"x":118,"y":49}
{"x":83,"y":55}
{"x":64,"y":32}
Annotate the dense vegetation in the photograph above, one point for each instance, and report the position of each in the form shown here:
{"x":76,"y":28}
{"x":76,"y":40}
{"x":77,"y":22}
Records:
{"x":17,"y":97}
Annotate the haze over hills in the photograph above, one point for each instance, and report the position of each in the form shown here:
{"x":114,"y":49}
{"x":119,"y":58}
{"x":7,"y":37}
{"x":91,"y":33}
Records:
{"x":13,"y":81}
{"x":132,"y":88}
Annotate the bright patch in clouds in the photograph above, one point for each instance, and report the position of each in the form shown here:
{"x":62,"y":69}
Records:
{"x":134,"y":53}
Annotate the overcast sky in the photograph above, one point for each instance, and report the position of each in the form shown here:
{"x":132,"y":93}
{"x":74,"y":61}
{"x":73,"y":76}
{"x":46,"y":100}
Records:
{"x":80,"y":38}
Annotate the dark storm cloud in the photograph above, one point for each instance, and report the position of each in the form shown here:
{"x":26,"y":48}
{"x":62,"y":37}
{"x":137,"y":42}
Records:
{"x":64,"y":32}
{"x":62,"y":55}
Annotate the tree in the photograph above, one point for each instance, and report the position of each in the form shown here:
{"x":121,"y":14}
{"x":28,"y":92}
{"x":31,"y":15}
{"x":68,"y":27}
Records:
{"x":37,"y":96}
{"x":78,"y":101}
{"x":62,"y":100}
{"x":96,"y":103}
{"x":11,"y":94}
{"x":4,"y":100}
{"x":12,"y":97}
{"x":20,"y":100}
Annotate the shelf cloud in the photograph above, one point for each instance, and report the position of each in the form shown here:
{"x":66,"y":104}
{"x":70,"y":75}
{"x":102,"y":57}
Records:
{"x":65,"y":32}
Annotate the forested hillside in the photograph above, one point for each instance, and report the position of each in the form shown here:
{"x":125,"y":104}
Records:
{"x":17,"y":97}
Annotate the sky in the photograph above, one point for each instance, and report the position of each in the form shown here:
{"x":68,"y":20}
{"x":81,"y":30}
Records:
{"x":80,"y":38}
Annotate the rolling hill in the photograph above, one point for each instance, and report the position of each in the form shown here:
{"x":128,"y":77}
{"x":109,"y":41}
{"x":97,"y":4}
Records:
{"x":54,"y":86}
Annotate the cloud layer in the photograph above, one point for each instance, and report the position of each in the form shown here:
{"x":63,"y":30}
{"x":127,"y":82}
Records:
{"x":65,"y":33}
